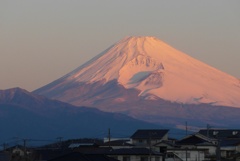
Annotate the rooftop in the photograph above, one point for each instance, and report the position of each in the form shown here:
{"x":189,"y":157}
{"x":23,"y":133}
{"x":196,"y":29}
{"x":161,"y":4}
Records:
{"x":151,"y":133}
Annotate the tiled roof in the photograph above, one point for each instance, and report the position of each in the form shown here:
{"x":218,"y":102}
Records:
{"x":75,"y":156}
{"x":102,"y":150}
{"x":221,"y":133}
{"x":151,"y":133}
{"x":117,"y":143}
{"x":166,"y":142}
{"x":121,"y":151}
{"x":47,"y":154}
{"x":230,"y":142}
{"x":76,"y":145}
{"x":5,"y":156}
{"x":133,"y":151}
{"x":192,"y":140}
{"x":74,"y":142}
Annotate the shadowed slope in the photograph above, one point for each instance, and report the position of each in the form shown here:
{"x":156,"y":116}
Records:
{"x":26,"y":115}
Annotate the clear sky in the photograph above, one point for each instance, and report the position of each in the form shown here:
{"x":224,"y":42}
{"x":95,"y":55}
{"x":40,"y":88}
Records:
{"x":42,"y":40}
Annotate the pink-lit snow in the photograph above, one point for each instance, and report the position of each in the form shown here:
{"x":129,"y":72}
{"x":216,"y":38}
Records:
{"x":153,"y":67}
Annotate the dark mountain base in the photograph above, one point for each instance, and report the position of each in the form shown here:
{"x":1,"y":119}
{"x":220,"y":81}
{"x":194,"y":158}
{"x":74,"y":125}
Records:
{"x":25,"y":115}
{"x":112,"y":97}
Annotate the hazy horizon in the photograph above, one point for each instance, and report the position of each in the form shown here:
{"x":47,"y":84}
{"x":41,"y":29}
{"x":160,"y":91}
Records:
{"x":43,"y":40}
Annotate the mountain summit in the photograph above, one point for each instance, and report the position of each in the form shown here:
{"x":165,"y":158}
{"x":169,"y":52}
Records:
{"x":148,"y":69}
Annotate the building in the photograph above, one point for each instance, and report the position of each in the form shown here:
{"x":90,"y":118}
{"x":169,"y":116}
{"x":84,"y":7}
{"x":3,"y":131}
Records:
{"x":144,"y":138}
{"x":185,"y":155}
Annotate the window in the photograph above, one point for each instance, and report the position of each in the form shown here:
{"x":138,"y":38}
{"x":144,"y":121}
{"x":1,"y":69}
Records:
{"x":114,"y":157}
{"x":170,"y":155}
{"x":144,"y":158}
{"x":234,"y":132}
{"x":163,"y":149}
{"x":157,"y":159}
{"x":215,"y":133}
{"x":126,"y":158}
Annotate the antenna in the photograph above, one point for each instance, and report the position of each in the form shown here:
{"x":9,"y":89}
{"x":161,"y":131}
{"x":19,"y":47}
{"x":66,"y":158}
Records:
{"x":109,"y":136}
{"x":4,"y":146}
{"x":150,"y":145}
{"x":60,"y":141}
{"x":24,"y":145}
{"x":186,"y":128}
{"x":208,"y":128}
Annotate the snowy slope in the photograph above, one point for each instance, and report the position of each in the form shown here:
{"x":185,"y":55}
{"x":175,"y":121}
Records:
{"x":156,"y":70}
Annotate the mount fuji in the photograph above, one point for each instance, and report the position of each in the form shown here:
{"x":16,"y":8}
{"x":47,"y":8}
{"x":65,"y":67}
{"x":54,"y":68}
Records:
{"x":147,"y":79}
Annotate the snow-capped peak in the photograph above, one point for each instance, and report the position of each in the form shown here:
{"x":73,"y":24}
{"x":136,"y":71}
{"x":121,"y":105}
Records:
{"x":155,"y":68}
{"x":147,"y":53}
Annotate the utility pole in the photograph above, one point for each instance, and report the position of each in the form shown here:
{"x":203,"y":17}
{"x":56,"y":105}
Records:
{"x":150,"y":146}
{"x":186,"y":154}
{"x":4,"y":146}
{"x":24,"y":143}
{"x":218,"y":158}
{"x":60,"y":141}
{"x":186,"y":129}
{"x":208,"y":127}
{"x":24,"y":146}
{"x":186,"y":135}
{"x":109,"y":136}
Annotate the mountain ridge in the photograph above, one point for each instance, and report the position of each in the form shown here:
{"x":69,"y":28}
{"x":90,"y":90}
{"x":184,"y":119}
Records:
{"x":29,"y":117}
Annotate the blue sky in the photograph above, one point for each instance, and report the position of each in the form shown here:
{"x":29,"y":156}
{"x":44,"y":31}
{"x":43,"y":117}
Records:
{"x":41,"y":40}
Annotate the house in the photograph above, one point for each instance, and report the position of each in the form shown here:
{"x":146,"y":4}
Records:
{"x":228,"y":141}
{"x":79,"y":145}
{"x":19,"y":153}
{"x":124,"y":154}
{"x":220,"y":133}
{"x":118,"y":144}
{"x":229,"y":147}
{"x":76,"y":156}
{"x":74,"y":143}
{"x":196,"y":144}
{"x":48,"y":154}
{"x":135,"y":154}
{"x":163,"y":145}
{"x":199,"y":141}
{"x":5,"y":156}
{"x":185,"y":155}
{"x":147,"y":138}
